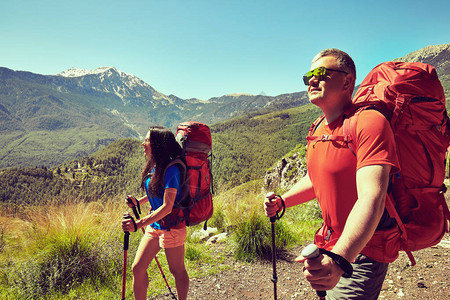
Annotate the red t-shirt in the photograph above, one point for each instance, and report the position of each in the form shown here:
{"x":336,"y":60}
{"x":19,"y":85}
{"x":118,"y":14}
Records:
{"x":332,"y":165}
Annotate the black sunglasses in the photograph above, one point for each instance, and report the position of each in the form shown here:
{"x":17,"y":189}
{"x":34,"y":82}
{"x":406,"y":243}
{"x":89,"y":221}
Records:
{"x":319,"y":73}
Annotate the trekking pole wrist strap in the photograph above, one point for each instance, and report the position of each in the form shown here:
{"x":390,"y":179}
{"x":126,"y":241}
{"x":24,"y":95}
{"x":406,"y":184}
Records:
{"x":134,"y":223}
{"x":281,"y":209}
{"x":132,"y":200}
{"x":344,"y":264}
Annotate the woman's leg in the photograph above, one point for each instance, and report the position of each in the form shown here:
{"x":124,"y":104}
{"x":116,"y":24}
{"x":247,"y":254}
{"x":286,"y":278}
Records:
{"x":148,"y":248}
{"x":175,"y":259}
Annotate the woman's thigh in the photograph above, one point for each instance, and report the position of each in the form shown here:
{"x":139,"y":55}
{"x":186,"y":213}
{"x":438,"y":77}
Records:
{"x":175,"y":259}
{"x":147,"y":250}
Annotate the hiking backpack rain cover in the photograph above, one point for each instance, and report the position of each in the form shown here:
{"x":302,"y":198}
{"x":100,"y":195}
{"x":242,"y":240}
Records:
{"x":411,"y":97}
{"x":196,"y":203}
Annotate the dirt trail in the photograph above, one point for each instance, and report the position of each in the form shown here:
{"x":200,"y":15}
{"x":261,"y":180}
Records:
{"x":428,"y":279}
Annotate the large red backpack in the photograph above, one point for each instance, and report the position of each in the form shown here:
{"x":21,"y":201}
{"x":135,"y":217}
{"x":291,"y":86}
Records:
{"x":411,"y":97}
{"x":196,"y":203}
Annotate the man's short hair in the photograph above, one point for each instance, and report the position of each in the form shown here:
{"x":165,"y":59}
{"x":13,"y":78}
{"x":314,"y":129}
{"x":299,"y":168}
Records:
{"x":344,"y":61}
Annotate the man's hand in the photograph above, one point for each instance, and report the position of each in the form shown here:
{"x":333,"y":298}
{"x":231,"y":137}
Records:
{"x":272,"y":206}
{"x":322,"y":272}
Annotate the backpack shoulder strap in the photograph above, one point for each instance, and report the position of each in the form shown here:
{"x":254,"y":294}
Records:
{"x":314,"y":126}
{"x":325,"y":137}
{"x":181,"y":166}
{"x":179,"y":162}
{"x":349,"y":126}
{"x":349,"y":130}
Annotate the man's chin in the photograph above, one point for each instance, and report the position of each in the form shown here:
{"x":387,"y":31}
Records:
{"x":314,"y":99}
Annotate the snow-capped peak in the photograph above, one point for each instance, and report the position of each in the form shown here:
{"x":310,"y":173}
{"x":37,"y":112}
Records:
{"x":75,"y":72}
{"x":111,"y":80}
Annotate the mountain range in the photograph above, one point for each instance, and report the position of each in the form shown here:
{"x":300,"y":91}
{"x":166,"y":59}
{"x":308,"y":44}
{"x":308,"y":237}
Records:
{"x":48,"y":119}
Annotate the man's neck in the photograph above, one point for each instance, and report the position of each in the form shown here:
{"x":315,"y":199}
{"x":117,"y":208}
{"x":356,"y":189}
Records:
{"x":331,"y":114}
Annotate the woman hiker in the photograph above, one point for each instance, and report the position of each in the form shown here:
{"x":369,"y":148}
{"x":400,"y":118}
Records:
{"x":162,"y":189}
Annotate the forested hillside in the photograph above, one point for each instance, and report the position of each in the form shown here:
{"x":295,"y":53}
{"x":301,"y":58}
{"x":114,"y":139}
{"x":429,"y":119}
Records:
{"x":243,"y":148}
{"x":111,"y":171}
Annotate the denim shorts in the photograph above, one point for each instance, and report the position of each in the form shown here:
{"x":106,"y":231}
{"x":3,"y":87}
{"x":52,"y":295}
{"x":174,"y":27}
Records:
{"x":365,"y":283}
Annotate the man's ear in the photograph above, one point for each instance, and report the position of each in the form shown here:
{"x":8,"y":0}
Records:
{"x":348,"y":82}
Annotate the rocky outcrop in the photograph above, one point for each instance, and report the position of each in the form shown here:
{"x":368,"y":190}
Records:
{"x":438,"y":56}
{"x":286,"y":172}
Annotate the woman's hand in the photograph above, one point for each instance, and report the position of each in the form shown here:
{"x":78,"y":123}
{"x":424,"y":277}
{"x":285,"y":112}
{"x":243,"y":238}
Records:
{"x":128,"y":224}
{"x":131,"y":201}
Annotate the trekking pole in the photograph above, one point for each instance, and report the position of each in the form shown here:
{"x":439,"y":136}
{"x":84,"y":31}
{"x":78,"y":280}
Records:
{"x":164,"y":277}
{"x":272,"y":196}
{"x":135,"y":211}
{"x":125,"y":251}
{"x":310,"y":252}
{"x":136,"y":214}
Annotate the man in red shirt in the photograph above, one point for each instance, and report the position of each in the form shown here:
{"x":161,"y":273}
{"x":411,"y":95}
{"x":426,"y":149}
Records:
{"x":349,"y":184}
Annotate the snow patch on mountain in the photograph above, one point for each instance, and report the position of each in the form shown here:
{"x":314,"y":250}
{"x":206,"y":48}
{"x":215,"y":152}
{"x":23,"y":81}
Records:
{"x":110,"y":80}
{"x":76,"y":72}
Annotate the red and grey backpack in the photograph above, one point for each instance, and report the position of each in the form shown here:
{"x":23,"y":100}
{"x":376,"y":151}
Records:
{"x":412,"y":99}
{"x":196,"y":204}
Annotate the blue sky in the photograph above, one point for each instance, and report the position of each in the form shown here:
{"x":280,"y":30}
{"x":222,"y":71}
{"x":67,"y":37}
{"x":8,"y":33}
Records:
{"x":205,"y":49}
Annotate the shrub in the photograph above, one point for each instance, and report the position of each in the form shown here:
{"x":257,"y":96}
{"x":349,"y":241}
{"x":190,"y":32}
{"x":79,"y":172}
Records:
{"x":192,"y":252}
{"x":218,"y":219}
{"x":71,"y":247}
{"x":252,"y":238}
{"x":68,"y":263}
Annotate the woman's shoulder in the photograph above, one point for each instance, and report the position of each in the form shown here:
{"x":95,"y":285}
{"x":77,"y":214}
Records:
{"x":173,"y":170}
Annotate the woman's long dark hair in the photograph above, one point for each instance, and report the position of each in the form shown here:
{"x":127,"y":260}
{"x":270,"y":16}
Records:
{"x":164,"y":148}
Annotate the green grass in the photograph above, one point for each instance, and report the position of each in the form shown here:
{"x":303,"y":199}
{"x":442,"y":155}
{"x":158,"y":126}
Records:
{"x":240,"y":211}
{"x":74,"y":250}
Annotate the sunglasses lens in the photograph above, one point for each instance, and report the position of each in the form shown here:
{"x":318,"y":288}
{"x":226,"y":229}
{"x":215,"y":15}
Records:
{"x":319,"y":73}
{"x":306,"y":78}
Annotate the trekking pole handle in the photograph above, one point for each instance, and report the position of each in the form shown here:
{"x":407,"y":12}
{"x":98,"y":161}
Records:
{"x":130,"y":199}
{"x":136,"y":214}
{"x":311,"y":252}
{"x":271,"y":196}
{"x":126,"y":237}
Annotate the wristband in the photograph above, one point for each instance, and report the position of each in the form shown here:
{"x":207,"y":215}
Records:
{"x":340,"y":261}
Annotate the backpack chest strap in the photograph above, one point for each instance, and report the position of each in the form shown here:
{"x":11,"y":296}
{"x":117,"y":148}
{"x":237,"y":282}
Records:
{"x":329,"y":137}
{"x":346,"y":137}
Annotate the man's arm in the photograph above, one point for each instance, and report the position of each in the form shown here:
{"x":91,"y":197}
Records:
{"x":372,"y":182}
{"x":301,"y":192}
